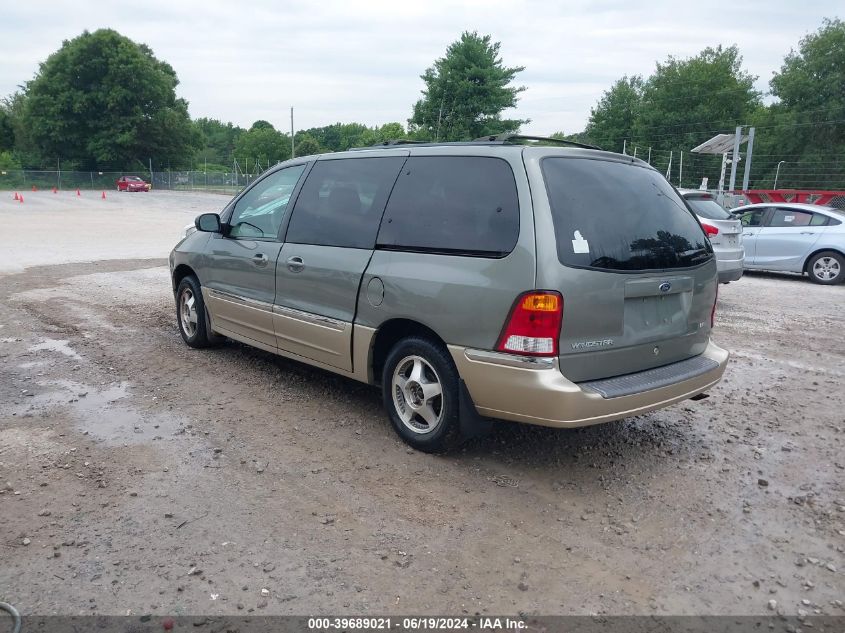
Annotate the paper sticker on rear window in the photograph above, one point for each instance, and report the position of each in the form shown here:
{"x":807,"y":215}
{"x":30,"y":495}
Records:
{"x":579,"y":244}
{"x":789,"y":218}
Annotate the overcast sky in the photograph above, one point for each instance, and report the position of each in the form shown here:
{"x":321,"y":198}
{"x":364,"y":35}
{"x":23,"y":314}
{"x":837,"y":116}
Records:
{"x":361,"y":61}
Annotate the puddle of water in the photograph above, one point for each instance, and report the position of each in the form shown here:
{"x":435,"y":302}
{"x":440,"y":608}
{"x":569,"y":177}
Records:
{"x":54,"y":345}
{"x":102,"y":414}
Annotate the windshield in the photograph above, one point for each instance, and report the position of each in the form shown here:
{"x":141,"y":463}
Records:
{"x":134,"y":178}
{"x":707,"y":207}
{"x":619,"y":216}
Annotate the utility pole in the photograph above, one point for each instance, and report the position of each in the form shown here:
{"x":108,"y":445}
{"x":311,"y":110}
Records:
{"x":735,"y":156}
{"x":748,"y":152}
{"x":292,"y":155}
{"x":681,"y":171}
{"x":624,"y":145}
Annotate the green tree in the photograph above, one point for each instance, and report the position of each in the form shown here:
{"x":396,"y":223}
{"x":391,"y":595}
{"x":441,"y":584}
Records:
{"x":615,"y":115}
{"x":217,"y":141}
{"x":102,"y":99}
{"x":7,"y":131}
{"x":8,"y":161}
{"x":466,"y":92}
{"x":306,"y":145}
{"x":264,"y":144}
{"x":687,"y":101}
{"x":805,"y":126}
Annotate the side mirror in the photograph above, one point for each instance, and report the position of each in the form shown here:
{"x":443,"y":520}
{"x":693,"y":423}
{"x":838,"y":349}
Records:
{"x":209,"y":223}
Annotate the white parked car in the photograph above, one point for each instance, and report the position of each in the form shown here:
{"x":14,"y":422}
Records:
{"x":796,"y":238}
{"x":724,"y":231}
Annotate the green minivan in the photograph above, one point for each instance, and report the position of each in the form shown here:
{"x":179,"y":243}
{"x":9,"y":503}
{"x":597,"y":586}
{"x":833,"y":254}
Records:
{"x":503,"y":278}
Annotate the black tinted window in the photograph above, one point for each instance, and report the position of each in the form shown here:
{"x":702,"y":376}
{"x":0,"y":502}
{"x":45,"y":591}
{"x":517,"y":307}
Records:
{"x":707,"y":207}
{"x":342,"y":201}
{"x":453,"y":204}
{"x":619,"y":216}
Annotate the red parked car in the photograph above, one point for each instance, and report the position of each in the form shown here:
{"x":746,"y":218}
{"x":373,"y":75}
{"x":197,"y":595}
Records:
{"x":132,"y":183}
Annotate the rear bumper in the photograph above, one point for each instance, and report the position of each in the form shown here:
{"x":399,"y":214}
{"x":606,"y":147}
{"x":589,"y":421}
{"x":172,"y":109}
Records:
{"x":535,"y":392}
{"x":730,"y":265}
{"x":733,"y":274}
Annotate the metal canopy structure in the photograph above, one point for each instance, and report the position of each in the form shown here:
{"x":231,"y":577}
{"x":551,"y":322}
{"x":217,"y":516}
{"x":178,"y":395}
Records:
{"x":719,"y":144}
{"x":729,"y":145}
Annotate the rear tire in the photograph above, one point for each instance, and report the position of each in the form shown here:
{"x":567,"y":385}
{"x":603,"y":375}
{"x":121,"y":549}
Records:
{"x":191,"y":315}
{"x":827,"y":268}
{"x":420,"y":387}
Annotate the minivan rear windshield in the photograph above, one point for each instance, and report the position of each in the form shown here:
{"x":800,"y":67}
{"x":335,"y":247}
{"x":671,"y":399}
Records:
{"x":708,"y":208}
{"x":612,"y":215}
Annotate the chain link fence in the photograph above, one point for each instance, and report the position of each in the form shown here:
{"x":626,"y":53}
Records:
{"x":222,"y":182}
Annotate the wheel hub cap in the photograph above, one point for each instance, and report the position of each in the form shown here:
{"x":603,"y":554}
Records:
{"x":417,"y":394}
{"x":826,"y":268}
{"x":188,"y":312}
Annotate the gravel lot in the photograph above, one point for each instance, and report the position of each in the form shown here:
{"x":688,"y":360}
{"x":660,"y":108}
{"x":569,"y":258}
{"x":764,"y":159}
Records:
{"x":141,"y":476}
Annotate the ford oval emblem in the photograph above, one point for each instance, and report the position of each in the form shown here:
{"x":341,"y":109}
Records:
{"x":665,"y":287}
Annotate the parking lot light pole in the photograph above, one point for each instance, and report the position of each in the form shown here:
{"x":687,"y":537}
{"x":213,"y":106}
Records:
{"x":777,"y":173}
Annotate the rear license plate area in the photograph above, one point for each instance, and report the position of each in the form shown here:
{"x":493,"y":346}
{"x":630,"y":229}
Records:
{"x":655,"y":316}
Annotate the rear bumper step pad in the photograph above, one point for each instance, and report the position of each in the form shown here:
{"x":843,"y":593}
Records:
{"x":650,"y":379}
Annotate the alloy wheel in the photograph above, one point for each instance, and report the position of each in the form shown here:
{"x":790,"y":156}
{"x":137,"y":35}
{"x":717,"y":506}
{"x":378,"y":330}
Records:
{"x":188,"y":312}
{"x":417,"y":394}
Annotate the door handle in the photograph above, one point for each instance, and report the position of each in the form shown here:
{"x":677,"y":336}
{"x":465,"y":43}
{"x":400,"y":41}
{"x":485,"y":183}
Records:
{"x":260,"y":260}
{"x":808,"y":232}
{"x":295,"y":264}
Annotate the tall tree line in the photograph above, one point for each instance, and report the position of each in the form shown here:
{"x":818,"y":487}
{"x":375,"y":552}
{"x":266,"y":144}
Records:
{"x":799,"y":121}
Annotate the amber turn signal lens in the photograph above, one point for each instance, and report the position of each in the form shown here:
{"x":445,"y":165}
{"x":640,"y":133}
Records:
{"x":541,"y":302}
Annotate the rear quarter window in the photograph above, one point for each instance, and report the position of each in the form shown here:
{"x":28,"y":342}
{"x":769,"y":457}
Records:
{"x":708,"y":208}
{"x":619,"y":216}
{"x":453,"y":204}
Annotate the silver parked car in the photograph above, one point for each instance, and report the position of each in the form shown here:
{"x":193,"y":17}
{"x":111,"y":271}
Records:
{"x":724,"y":231}
{"x":560,"y":286}
{"x":796,"y":238}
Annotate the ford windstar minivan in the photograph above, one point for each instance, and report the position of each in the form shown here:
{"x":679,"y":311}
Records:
{"x":497,"y":279}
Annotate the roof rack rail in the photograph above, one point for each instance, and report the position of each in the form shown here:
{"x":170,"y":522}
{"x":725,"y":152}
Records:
{"x":399,"y":141}
{"x":509,"y":138}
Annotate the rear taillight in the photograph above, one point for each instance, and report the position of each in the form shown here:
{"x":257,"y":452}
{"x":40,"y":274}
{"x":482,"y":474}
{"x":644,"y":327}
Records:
{"x":713,"y":311}
{"x":709,"y":229}
{"x":533,"y":326}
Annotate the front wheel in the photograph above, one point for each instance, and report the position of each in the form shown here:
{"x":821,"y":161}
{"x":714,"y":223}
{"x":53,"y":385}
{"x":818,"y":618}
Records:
{"x":190,"y":314}
{"x":420,"y":387}
{"x":828,"y":267}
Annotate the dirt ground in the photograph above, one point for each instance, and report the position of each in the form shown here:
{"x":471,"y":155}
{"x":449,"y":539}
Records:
{"x":141,"y":476}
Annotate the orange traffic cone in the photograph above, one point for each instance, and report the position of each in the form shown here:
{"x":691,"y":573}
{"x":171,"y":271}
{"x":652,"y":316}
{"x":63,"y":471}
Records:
{"x":34,"y":188}
{"x":78,"y":193}
{"x":104,"y":195}
{"x":54,"y":190}
{"x":21,"y":198}
{"x":16,"y":196}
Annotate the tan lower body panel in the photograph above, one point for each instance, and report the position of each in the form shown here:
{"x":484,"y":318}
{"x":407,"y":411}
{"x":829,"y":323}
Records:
{"x":543,"y":396}
{"x":327,"y":341}
{"x":362,"y":339}
{"x":252,"y":319}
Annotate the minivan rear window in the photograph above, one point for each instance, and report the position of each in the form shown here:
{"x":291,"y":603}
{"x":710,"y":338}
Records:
{"x":462,"y":205}
{"x":612,"y":215}
{"x":707,"y":207}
